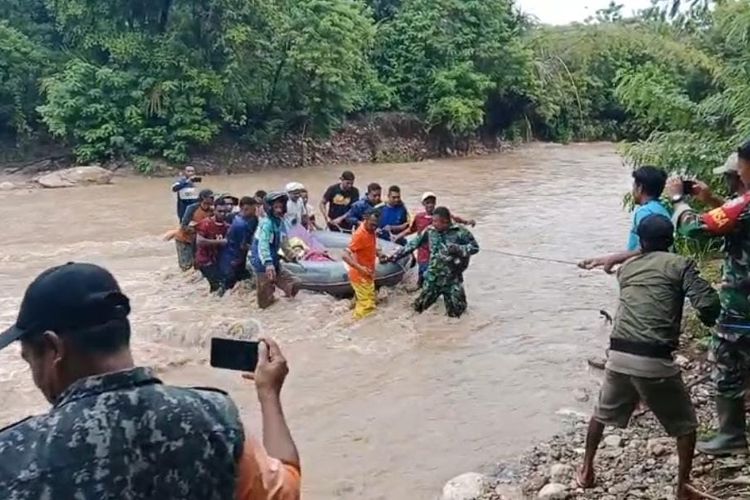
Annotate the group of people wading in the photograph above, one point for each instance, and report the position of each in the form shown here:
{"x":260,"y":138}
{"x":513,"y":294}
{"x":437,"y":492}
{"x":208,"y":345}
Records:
{"x":232,"y":239}
{"x":654,"y":284}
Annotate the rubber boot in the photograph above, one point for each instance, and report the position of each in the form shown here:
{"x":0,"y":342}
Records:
{"x":731,"y":438}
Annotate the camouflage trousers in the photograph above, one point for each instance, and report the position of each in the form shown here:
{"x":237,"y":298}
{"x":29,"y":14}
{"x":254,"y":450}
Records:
{"x":452,"y":291}
{"x":732,"y":365}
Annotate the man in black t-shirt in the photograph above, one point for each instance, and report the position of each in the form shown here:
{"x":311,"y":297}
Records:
{"x":337,"y":200}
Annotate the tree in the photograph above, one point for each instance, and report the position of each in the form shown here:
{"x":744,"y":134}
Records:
{"x":431,"y":45}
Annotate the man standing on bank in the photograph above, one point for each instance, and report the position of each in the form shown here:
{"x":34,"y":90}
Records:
{"x":115,"y":431}
{"x":337,"y":200}
{"x":640,"y":366}
{"x":730,"y":343}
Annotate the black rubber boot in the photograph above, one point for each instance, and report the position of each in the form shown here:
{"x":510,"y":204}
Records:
{"x":731,"y":438}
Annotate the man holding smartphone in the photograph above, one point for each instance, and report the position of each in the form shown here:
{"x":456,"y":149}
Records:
{"x":730,"y":341}
{"x":114,"y":430}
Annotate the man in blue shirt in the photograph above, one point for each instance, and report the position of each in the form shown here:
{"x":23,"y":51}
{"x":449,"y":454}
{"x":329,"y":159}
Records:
{"x":372,"y":199}
{"x":648,"y":185}
{"x":239,"y":238}
{"x":394,"y":217}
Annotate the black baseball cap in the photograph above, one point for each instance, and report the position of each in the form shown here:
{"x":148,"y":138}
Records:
{"x":66,"y":298}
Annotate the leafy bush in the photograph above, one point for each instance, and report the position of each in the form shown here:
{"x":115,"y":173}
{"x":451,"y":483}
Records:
{"x":22,"y":64}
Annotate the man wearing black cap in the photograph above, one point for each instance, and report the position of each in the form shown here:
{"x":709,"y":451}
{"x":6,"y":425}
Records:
{"x":114,"y":430}
{"x":640,"y":366}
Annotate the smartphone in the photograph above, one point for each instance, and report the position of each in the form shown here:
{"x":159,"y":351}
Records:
{"x":197,"y":179}
{"x":688,"y":187}
{"x":230,"y":354}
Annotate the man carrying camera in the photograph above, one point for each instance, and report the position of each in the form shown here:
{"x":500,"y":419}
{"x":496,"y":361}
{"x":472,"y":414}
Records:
{"x":114,"y":430}
{"x":730,"y":343}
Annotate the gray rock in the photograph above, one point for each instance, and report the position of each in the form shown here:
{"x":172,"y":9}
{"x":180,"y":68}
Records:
{"x":76,"y":176}
{"x":659,"y":446}
{"x":535,"y":482}
{"x":7,"y":186}
{"x":561,"y":473}
{"x":469,"y":486}
{"x":613,"y":441}
{"x":580,"y":395}
{"x":681,"y":361}
{"x":554,"y":491}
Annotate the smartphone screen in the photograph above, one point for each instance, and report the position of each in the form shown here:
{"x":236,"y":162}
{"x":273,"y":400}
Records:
{"x":230,"y":354}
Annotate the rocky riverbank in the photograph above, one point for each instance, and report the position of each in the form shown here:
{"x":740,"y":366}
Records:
{"x":637,"y":462}
{"x":375,"y":138}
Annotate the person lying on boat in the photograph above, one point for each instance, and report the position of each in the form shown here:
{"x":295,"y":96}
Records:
{"x":304,"y":253}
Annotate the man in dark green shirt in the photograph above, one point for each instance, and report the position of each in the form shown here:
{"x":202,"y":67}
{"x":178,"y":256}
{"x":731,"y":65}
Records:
{"x":640,"y":367}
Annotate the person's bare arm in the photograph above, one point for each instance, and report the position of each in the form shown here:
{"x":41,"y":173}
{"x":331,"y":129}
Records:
{"x":203,"y":241}
{"x":269,"y":378}
{"x":324,"y":209}
{"x":259,"y":474}
{"x":466,"y":222}
{"x":410,"y":229}
{"x":608,"y":262}
{"x":400,"y":227}
{"x":348,"y":257}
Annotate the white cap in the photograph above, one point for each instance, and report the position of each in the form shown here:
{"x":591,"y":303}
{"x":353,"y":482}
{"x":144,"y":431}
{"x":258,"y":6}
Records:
{"x":294,"y":186}
{"x":428,"y":194}
{"x":731,"y":165}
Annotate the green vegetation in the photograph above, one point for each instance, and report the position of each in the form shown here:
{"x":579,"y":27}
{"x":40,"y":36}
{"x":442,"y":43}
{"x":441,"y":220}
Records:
{"x":139,"y":79}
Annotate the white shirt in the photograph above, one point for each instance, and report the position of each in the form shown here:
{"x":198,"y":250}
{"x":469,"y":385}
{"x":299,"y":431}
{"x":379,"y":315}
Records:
{"x":295,"y":210}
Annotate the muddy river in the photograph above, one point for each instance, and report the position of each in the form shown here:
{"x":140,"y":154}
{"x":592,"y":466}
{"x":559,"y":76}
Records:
{"x":392,"y":407}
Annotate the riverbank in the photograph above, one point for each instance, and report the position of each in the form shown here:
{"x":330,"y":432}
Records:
{"x":375,"y":138}
{"x":637,"y":462}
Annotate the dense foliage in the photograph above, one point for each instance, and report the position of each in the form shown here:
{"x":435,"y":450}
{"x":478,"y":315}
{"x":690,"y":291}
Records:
{"x":156,"y":78}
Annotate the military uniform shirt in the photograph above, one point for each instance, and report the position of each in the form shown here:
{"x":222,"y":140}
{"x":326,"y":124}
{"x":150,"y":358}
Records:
{"x":125,"y":435}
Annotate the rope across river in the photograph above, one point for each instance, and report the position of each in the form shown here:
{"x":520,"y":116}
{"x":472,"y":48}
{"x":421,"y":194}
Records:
{"x":530,"y":257}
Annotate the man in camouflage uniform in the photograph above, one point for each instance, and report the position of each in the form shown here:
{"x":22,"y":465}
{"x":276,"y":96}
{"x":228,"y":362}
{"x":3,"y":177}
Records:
{"x":450,"y":249}
{"x":114,"y":430}
{"x":730,"y":343}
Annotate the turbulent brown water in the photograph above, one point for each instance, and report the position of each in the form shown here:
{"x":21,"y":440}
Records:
{"x":391,"y":407}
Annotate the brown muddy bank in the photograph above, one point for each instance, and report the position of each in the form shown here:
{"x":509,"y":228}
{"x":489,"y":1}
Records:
{"x":376,"y":138}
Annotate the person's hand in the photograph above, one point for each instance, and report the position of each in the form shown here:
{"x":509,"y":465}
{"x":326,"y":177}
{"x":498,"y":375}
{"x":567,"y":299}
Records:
{"x":383,"y":258}
{"x":607,"y":264}
{"x":454,"y":249}
{"x":366,"y":271}
{"x":338,"y":220}
{"x":271,"y":273}
{"x":674,"y":187}
{"x":386,"y":229}
{"x":271,"y":370}
{"x":702,"y":192}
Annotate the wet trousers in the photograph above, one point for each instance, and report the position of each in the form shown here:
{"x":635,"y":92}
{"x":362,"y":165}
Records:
{"x":732,"y":366}
{"x":452,"y":291}
{"x":365,"y":297}
{"x":185,"y":255}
